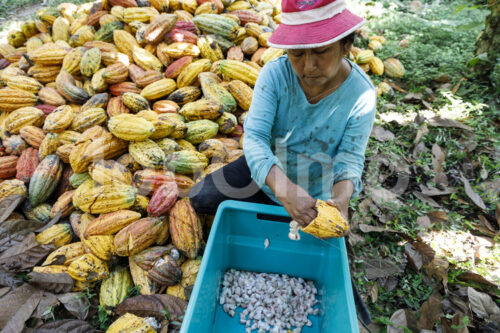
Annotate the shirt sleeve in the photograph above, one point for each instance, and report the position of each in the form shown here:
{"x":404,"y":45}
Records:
{"x":349,"y":162}
{"x":258,"y":125}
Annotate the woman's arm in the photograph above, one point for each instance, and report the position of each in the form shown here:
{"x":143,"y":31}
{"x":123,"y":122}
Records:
{"x":297,"y":202}
{"x":264,"y":166}
{"x":349,"y":162}
{"x":341,"y":194}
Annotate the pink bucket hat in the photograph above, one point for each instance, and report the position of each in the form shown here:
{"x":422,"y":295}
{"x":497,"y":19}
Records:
{"x":313,"y":23}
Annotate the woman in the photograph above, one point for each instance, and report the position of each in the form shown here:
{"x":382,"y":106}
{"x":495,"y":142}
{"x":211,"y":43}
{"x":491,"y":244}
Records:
{"x":309,"y":122}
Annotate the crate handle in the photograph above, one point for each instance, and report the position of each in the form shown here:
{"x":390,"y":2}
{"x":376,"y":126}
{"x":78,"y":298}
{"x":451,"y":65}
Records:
{"x":262,"y":211}
{"x":274,"y":218}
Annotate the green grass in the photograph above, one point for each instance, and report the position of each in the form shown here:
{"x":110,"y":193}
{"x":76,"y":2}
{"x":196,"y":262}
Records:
{"x":442,"y":42}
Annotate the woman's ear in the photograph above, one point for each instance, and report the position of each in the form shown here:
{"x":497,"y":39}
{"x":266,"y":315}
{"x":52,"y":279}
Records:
{"x":346,"y":47}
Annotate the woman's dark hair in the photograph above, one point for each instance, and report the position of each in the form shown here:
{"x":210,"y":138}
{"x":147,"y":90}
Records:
{"x":348,"y":39}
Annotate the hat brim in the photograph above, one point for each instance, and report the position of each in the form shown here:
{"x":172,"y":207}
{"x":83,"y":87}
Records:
{"x":316,"y":34}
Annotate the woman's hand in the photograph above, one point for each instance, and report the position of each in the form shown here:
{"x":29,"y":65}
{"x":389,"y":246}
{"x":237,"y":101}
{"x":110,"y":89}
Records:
{"x":299,"y":204}
{"x":342,"y":206}
{"x":341,"y":194}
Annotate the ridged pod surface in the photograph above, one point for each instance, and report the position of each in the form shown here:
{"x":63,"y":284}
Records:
{"x":88,"y":268}
{"x":163,"y":199}
{"x":394,"y":68}
{"x":114,"y":288}
{"x":189,"y":75}
{"x":147,"y":153}
{"x":158,"y":89}
{"x":180,"y":96}
{"x":130,"y":127}
{"x":103,"y":147}
{"x":329,"y":223}
{"x":12,"y":187}
{"x":216,"y":24}
{"x":87,"y":118}
{"x":135,"y":102}
{"x":106,"y":172}
{"x":186,"y":162}
{"x":157,"y":29}
{"x":129,"y":323}
{"x":185,"y":228}
{"x":24,"y":83}
{"x":201,"y":130}
{"x":63,"y":205}
{"x":146,"y":59}
{"x":24,"y":117}
{"x":59,"y":235}
{"x":238,"y":70}
{"x":45,"y":179}
{"x":165,"y":272}
{"x":102,"y":246}
{"x":138,"y":236}
{"x":111,"y":223}
{"x":228,"y":123}
{"x":214,"y":91}
{"x":202,"y":109}
{"x":8,"y":166}
{"x":25,"y":166}
{"x":59,"y":119}
{"x":242,"y":93}
{"x":13,"y":99}
{"x":103,"y":199}
{"x":32,"y":135}
{"x":140,"y":278}
{"x":65,"y":254}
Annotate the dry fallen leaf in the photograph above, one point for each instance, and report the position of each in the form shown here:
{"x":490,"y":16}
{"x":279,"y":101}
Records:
{"x":25,"y":255}
{"x":474,"y":277}
{"x":456,"y":325}
{"x":483,"y":305}
{"x":8,"y":205}
{"x":445,"y":122}
{"x":153,"y":306}
{"x":476,"y":199}
{"x":66,"y":326}
{"x":423,"y":130}
{"x":374,"y":292}
{"x":402,"y":318}
{"x":57,"y":283}
{"x":418,"y":254}
{"x":8,"y":278}
{"x":432,"y":191}
{"x":427,"y":199}
{"x":48,"y":301}
{"x":76,"y":303}
{"x":383,"y":197}
{"x":381,"y":134}
{"x":438,"y":268}
{"x":430,"y":311}
{"x":380,"y":268}
{"x":424,"y":222}
{"x":17,"y":307}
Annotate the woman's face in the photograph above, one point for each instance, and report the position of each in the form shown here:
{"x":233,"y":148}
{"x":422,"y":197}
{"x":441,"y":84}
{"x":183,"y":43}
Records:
{"x":318,"y":66}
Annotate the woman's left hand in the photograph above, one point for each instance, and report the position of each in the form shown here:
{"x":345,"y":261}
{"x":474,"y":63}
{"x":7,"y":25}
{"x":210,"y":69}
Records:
{"x":341,"y":205}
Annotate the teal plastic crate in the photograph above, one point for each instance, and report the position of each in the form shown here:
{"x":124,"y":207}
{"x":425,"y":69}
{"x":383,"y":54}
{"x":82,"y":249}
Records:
{"x":237,"y":240}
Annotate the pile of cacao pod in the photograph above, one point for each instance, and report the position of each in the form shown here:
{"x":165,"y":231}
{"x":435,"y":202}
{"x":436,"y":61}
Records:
{"x":370,"y":63}
{"x":111,"y":111}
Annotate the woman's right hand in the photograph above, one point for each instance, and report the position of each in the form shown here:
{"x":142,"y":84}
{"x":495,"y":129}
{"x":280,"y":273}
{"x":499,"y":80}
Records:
{"x":299,"y":204}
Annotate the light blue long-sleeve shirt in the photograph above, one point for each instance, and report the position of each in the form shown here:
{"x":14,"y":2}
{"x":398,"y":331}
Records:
{"x":316,"y":145}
